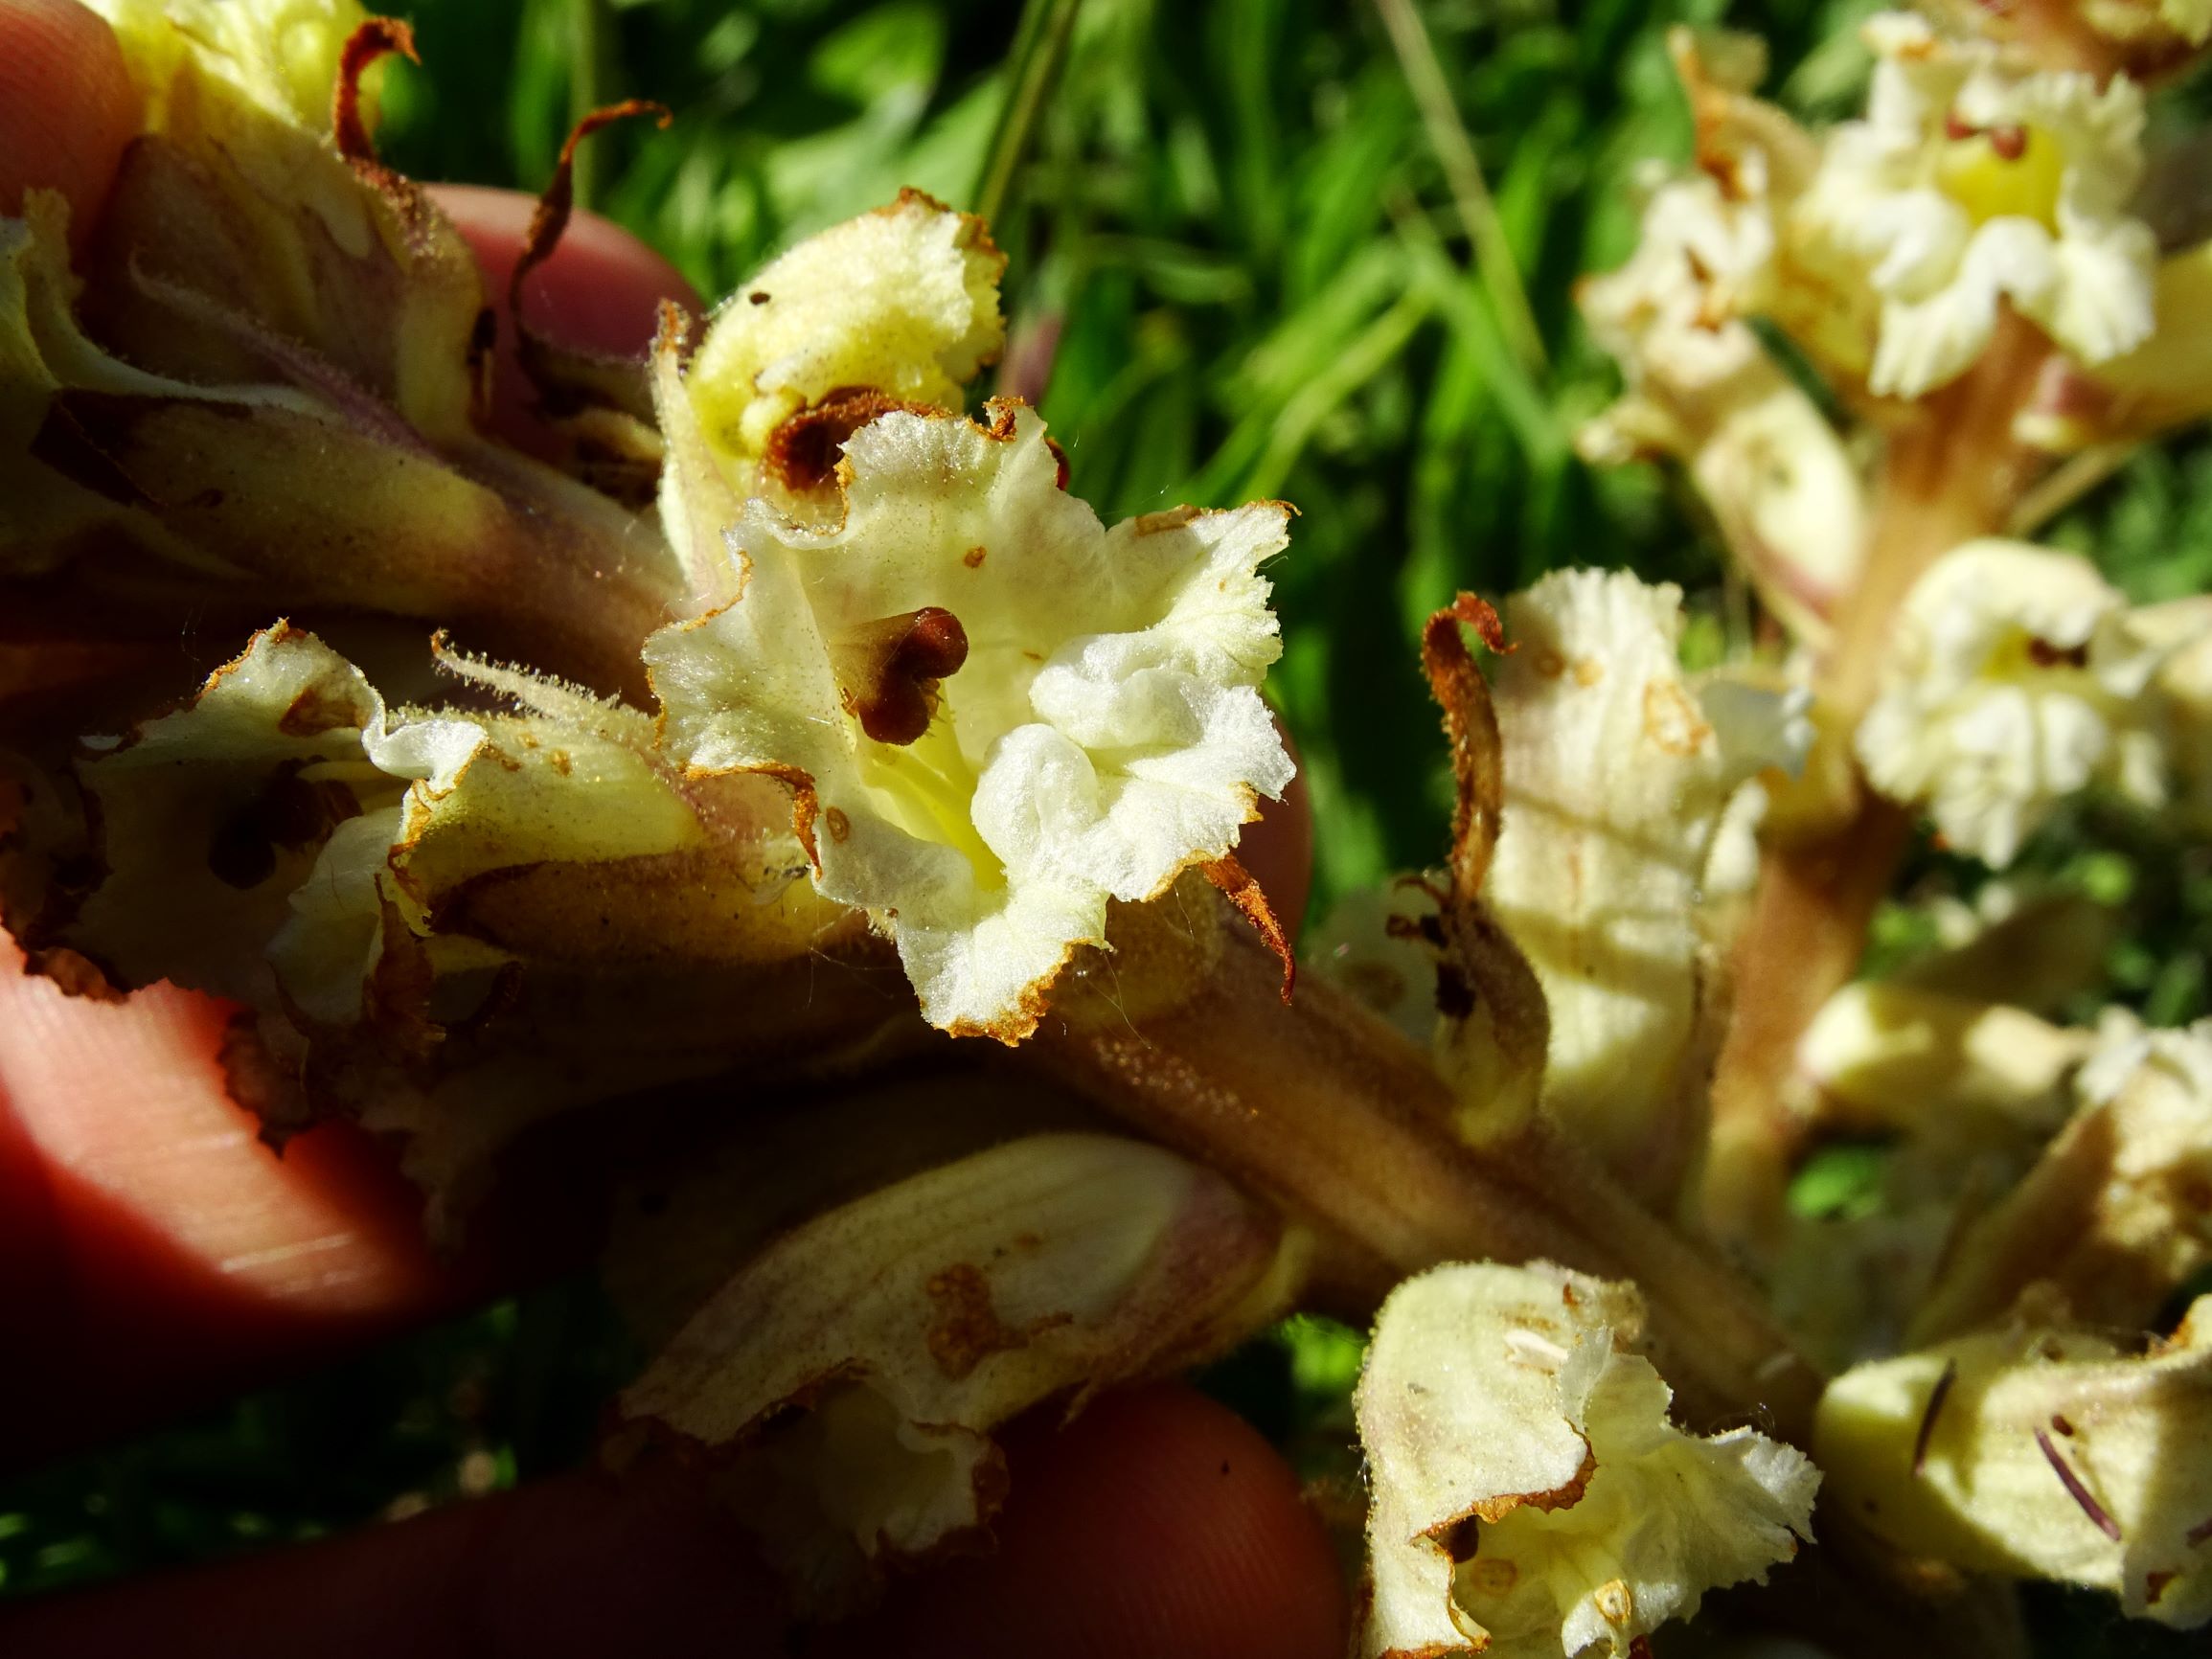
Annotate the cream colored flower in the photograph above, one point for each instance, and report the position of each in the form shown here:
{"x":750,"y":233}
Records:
{"x":2114,"y":1213}
{"x":849,"y":1377}
{"x":1909,"y":1057}
{"x":281,"y":53}
{"x":1531,"y":1497}
{"x":449,"y":926}
{"x":1702,"y":387}
{"x":1617,"y":772}
{"x":997,"y":714}
{"x":1969,"y":183}
{"x":2164,"y":383}
{"x":2038,"y":1451}
{"x":260,"y":842}
{"x":902,"y":302}
{"x":2017,"y":678}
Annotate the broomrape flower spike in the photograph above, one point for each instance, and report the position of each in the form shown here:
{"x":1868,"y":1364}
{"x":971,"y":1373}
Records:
{"x":1531,"y":1497}
{"x":994,"y":714}
{"x":1969,"y":183}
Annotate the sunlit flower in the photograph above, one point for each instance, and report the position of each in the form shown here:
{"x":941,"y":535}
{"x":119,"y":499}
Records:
{"x":995,"y":713}
{"x":2017,"y":678}
{"x":1969,"y":183}
{"x":281,"y":53}
{"x":1618,"y":770}
{"x":899,"y":305}
{"x":1702,"y":387}
{"x":1531,"y":1496}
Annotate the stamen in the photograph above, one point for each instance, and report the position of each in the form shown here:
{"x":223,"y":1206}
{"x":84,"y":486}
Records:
{"x":1936,"y":1396}
{"x":2079,"y":1493}
{"x":896,"y":666}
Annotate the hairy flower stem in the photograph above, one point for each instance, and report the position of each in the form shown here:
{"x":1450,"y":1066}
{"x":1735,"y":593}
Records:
{"x":1337,"y":1117}
{"x":1952,"y":474}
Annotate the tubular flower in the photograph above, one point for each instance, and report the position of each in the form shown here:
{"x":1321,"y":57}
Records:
{"x":995,"y":713}
{"x":1617,"y":769}
{"x":2113,"y":1214}
{"x":2046,"y":1453}
{"x":1703,"y":390}
{"x":1702,"y":387}
{"x":1969,"y":183}
{"x":899,"y":305}
{"x":447,"y":924}
{"x":849,"y":1374}
{"x":1531,"y":1496}
{"x":2018,"y":678}
{"x":283,"y":55}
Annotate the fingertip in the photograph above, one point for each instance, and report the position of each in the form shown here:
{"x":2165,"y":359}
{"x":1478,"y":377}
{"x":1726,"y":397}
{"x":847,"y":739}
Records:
{"x":1159,"y":1523}
{"x":575,"y":1566}
{"x":67,"y":106}
{"x":161,"y":1248}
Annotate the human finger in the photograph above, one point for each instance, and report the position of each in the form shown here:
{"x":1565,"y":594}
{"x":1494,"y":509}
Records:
{"x":67,"y":106}
{"x":154,"y":1252}
{"x":1157,"y":1523}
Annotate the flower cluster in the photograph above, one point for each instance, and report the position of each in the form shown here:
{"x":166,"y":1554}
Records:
{"x":788,"y":716}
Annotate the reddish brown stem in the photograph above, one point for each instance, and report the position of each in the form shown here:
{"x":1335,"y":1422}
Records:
{"x":1340,"y":1119}
{"x":1951,"y":475}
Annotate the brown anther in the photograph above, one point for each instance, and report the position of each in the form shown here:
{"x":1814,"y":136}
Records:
{"x":2046,"y":655}
{"x":1957,"y":129}
{"x":2010,"y":143}
{"x":894,"y":668}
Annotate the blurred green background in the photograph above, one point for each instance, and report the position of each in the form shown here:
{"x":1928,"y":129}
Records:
{"x":1231,"y":231}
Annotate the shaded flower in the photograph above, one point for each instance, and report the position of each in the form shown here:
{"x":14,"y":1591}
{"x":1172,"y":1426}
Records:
{"x":849,"y":1377}
{"x":2042,"y":1452}
{"x":2117,"y":1211}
